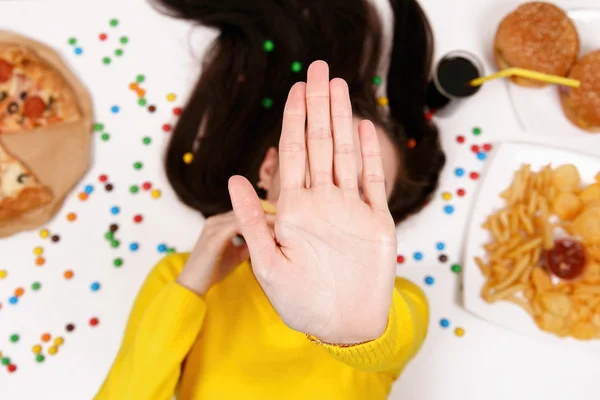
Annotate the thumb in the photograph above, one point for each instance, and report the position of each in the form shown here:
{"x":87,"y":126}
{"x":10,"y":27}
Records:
{"x":252,"y":221}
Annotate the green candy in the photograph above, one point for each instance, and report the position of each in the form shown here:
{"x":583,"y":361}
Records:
{"x":109,"y":236}
{"x":456,"y":268}
{"x":134,"y":189}
{"x":40,"y":358}
{"x":268,"y":46}
{"x":296,"y":66}
{"x":36,"y":286}
{"x":267,"y":102}
{"x":118,"y":262}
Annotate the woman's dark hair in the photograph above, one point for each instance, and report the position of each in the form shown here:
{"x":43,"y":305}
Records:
{"x":234,"y":113}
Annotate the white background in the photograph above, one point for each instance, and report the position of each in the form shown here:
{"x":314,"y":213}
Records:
{"x":487,"y":363}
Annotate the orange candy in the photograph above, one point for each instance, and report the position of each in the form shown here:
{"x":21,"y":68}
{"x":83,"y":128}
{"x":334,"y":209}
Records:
{"x":133,"y":86}
{"x":40,"y":261}
{"x":140,"y":92}
{"x":71,"y":217}
{"x":68,"y":274}
{"x":46,"y":337}
{"x":83,"y":196}
{"x":19,"y":292}
{"x":412,"y":143}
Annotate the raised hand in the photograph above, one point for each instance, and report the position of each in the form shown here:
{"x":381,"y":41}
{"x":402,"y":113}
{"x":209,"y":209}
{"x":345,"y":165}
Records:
{"x":329,"y":268}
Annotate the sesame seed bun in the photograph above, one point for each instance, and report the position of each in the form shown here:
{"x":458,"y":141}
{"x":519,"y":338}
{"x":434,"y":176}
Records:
{"x":537,"y":36}
{"x":582,"y":105}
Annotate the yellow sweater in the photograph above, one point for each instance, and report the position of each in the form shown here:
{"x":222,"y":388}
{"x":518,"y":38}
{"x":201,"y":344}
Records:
{"x":231,"y":344}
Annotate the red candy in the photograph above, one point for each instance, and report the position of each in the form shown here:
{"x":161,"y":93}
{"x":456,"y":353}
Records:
{"x":166,"y":128}
{"x":400,"y":259}
{"x":460,"y":139}
{"x":103,"y":178}
{"x":12,"y":367}
{"x":474,"y":175}
{"x":475,"y":148}
{"x":147,"y":186}
{"x":460,"y":192}
{"x":94,"y":321}
{"x":429,"y":115}
{"x":138,"y":218}
{"x":487,"y":147}
{"x":177,"y":111}
{"x":103,"y":36}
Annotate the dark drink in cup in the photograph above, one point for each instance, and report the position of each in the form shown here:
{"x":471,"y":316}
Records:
{"x":452,"y":78}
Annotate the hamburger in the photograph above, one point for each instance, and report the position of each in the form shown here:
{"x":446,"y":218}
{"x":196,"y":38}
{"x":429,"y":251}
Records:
{"x":582,"y":105}
{"x":537,"y":36}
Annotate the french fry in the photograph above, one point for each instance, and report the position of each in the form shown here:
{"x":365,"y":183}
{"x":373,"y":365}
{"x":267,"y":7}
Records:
{"x":484,"y":268}
{"x":514,"y":274}
{"x":525,"y":247}
{"x":533,"y":203}
{"x":509,"y":291}
{"x":514,"y":221}
{"x":495,"y":228}
{"x":527,"y":223}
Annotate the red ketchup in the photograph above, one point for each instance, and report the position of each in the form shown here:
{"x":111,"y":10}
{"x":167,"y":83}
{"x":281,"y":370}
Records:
{"x":566,"y":260}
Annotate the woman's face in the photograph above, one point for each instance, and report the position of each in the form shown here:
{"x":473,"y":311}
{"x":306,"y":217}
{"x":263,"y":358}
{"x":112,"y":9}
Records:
{"x":269,"y":170}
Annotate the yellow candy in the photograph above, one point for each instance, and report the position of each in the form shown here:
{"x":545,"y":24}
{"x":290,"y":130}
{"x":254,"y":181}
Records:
{"x":52,"y":350}
{"x":383,"y":101}
{"x":156,"y":193}
{"x":37,"y":349}
{"x":171,"y":97}
{"x":188,"y":158}
{"x":446,"y":196}
{"x":3,"y":274}
{"x":38,"y":251}
{"x":44,"y":233}
{"x":460,"y":332}
{"x":58,"y":341}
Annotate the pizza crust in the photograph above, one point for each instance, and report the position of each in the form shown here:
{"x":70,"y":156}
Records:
{"x":28,"y":199}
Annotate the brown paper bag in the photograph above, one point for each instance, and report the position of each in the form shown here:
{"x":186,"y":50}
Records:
{"x":58,"y":155}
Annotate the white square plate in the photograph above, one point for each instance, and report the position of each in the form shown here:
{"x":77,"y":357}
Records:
{"x":507,"y":159}
{"x":539,"y":110}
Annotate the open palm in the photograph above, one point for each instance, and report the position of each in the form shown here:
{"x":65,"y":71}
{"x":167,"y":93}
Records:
{"x":329,"y":269}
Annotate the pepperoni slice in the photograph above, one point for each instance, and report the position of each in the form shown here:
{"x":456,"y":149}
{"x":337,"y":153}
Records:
{"x":34,"y":107}
{"x":5,"y":71}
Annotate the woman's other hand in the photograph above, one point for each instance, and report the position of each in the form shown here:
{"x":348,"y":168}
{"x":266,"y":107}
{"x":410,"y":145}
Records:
{"x":215,"y":255}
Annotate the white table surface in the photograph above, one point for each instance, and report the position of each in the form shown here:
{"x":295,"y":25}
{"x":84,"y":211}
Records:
{"x":487,"y":363}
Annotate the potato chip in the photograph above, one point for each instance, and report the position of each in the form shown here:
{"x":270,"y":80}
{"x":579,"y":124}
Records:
{"x":566,"y":178}
{"x":566,"y":205}
{"x":587,"y":225}
{"x":556,"y":303}
{"x":583,"y":330}
{"x":590,"y":194}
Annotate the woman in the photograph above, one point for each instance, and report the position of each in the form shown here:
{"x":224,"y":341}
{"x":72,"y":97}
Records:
{"x":317,"y":312}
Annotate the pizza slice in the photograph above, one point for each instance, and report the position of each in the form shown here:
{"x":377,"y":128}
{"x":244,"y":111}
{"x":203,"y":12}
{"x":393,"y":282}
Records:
{"x":20,"y":190}
{"x":32,"y":93}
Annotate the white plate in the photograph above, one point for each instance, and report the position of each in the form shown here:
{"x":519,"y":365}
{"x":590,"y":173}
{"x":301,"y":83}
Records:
{"x":539,"y":110}
{"x":507,"y":159}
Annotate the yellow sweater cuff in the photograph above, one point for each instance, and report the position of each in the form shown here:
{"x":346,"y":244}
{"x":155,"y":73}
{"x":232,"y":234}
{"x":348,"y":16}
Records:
{"x":380,"y":354}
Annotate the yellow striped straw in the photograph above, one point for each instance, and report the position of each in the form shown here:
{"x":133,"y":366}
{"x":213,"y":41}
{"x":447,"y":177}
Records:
{"x":525,"y":73}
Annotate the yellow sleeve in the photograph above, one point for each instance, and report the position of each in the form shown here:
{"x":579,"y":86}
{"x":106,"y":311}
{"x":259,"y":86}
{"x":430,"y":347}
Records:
{"x":404,"y":335}
{"x":163,"y":325}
